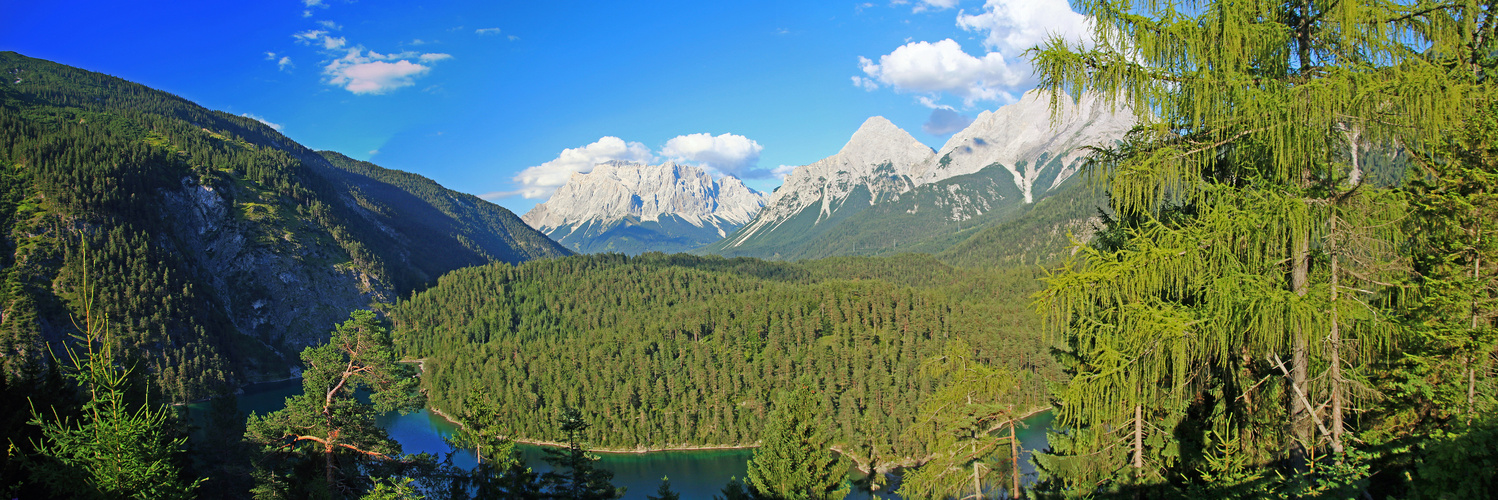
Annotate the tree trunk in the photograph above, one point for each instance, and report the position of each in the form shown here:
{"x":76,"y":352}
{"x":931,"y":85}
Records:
{"x":977,"y":485}
{"x":1014,"y":459}
{"x":1138,"y":442}
{"x":1336,"y":364}
{"x":1300,"y":411}
{"x":1471,"y":358}
{"x":329,"y":465}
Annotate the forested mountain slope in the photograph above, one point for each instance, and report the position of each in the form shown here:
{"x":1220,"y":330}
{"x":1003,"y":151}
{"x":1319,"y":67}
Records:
{"x":217,"y":246}
{"x":662,"y":351}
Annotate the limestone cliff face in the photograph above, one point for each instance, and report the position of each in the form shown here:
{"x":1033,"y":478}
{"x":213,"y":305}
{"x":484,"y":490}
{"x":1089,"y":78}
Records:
{"x":634,"y":208}
{"x":278,"y":281}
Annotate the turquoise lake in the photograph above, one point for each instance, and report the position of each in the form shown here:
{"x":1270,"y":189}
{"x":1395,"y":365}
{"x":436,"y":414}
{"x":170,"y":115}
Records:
{"x":694,"y":474}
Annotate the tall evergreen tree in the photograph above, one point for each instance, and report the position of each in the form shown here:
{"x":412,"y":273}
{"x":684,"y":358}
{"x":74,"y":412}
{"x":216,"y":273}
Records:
{"x":795,"y":460}
{"x":327,"y":420}
{"x":581,"y":480}
{"x":1226,"y":316}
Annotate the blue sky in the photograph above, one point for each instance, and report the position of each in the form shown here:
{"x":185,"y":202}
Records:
{"x":505,"y":99}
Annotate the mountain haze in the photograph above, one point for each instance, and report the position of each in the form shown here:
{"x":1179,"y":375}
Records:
{"x":634,"y":208}
{"x":885,"y":192}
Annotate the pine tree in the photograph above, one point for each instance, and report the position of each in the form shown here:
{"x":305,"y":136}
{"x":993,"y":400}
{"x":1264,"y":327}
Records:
{"x":327,"y":420}
{"x":1240,"y":288}
{"x":795,"y":460}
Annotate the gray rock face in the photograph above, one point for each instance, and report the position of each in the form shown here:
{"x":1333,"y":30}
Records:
{"x":285,"y":288}
{"x":620,"y":192}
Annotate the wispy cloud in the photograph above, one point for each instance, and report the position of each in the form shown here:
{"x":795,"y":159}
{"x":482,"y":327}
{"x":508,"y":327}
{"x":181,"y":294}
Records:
{"x":267,"y":123}
{"x":363,"y":71}
{"x":487,"y":31}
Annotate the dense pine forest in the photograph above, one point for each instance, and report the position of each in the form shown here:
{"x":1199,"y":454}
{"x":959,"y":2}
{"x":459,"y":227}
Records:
{"x":666,"y":351}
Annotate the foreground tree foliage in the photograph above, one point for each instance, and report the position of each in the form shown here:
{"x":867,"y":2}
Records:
{"x":1227,"y":325}
{"x":115,"y":448}
{"x":328,"y":422}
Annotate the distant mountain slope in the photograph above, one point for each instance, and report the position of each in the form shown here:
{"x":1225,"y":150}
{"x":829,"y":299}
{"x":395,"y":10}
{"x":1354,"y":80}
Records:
{"x":216,"y":247}
{"x":440,"y":229}
{"x":886,"y":193}
{"x":632,"y":208}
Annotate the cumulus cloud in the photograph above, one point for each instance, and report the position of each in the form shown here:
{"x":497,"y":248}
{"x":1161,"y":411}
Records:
{"x":487,"y":31}
{"x":284,"y":63}
{"x":330,"y":25}
{"x":267,"y":123}
{"x":943,"y":67}
{"x":1013,"y":26}
{"x":945,"y":120}
{"x":867,"y":84}
{"x":727,"y":153}
{"x":542,"y":180}
{"x":431,"y":58}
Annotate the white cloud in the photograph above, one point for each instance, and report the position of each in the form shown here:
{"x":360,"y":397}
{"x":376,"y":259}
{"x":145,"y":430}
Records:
{"x":284,"y":63}
{"x":487,"y":31}
{"x":943,"y":67}
{"x":1013,"y":26}
{"x":542,"y":180}
{"x":865,"y":83}
{"x":364,"y":71}
{"x":513,"y":38}
{"x":309,"y":36}
{"x":780,"y":172}
{"x":925,"y":5}
{"x":313,"y":3}
{"x":330,"y":25}
{"x":267,"y":123}
{"x":727,"y":153}
{"x":361,"y":75}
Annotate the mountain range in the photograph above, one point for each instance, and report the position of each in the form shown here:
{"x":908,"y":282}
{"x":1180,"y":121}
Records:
{"x":633,"y":208}
{"x":885,"y":192}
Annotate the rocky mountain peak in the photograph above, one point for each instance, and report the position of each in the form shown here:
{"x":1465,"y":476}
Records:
{"x":623,"y":191}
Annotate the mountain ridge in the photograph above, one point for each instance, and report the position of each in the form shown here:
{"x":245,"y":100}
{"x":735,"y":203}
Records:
{"x":633,"y":208}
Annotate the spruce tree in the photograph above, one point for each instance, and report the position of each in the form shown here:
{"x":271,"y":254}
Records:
{"x":795,"y":459}
{"x":664,"y":492}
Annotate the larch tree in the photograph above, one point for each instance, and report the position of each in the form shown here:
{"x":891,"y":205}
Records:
{"x":969,"y":425}
{"x":327,"y":420}
{"x":1242,"y":281}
